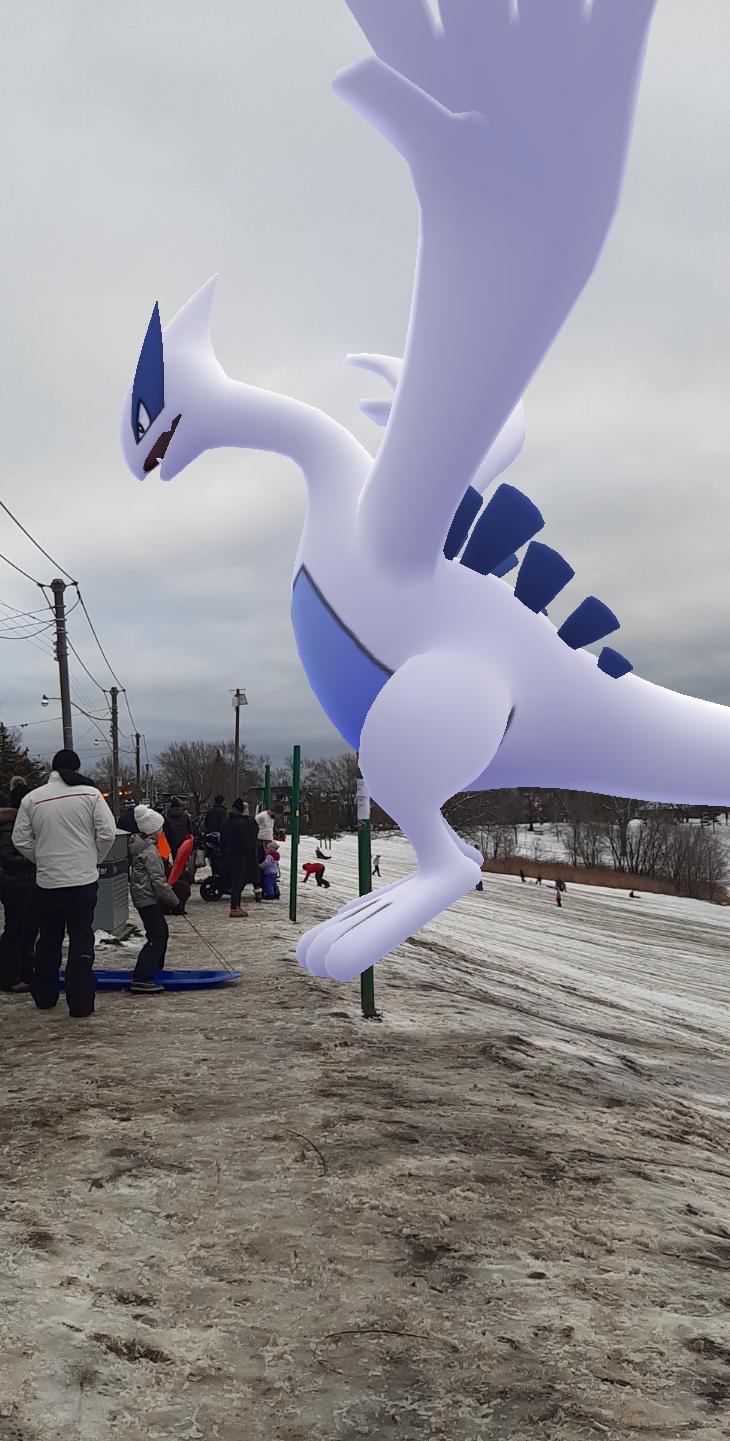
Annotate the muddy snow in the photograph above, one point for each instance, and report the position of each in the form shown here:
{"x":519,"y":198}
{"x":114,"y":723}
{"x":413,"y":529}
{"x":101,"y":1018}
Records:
{"x":502,"y":1212}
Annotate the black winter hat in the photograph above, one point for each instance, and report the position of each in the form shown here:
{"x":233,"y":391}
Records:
{"x":66,"y":761}
{"x":237,"y":806}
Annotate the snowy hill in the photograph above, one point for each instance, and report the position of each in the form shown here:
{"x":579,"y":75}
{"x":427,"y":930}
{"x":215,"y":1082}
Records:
{"x":657,"y":961}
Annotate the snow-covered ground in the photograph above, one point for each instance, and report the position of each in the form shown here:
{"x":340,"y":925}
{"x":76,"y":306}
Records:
{"x":500,"y":1215}
{"x":666,"y":957}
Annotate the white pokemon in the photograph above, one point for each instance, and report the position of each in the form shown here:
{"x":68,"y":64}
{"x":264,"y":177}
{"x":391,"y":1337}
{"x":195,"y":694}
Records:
{"x":515,"y":124}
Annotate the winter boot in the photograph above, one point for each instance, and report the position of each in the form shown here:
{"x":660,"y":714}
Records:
{"x":146,"y":988}
{"x":236,"y":914}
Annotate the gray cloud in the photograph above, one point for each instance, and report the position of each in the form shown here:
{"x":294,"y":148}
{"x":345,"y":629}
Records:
{"x":148,"y":146}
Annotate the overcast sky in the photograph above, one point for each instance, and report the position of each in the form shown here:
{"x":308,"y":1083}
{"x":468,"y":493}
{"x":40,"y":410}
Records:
{"x":150,"y":143}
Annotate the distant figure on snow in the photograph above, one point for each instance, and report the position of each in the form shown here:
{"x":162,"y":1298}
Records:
{"x":316,"y":869}
{"x":376,"y":866}
{"x":538,"y":882}
{"x":522,"y":876}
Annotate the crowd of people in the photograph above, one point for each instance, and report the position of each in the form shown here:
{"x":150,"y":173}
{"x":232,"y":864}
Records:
{"x":241,"y":849}
{"x":54,"y":838}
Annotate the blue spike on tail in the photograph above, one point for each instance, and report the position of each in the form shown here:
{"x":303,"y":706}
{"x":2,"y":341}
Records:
{"x":589,"y":622}
{"x":469,"y":507}
{"x":505,"y":566}
{"x":507,"y":522}
{"x":542,"y":576}
{"x":612,"y":663}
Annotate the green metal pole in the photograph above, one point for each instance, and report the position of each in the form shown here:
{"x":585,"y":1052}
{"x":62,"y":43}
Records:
{"x":295,"y":770}
{"x":267,"y":787}
{"x":365,"y":880}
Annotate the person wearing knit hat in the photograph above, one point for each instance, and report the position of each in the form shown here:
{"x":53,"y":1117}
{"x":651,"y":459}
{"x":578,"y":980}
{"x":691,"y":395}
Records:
{"x":153,"y":897}
{"x":238,"y":843}
{"x":66,"y":830}
{"x":149,"y":822}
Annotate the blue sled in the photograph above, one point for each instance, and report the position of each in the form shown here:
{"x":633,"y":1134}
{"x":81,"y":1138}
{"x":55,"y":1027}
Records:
{"x":171,"y":980}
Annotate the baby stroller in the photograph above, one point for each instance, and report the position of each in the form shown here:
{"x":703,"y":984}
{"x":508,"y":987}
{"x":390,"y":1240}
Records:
{"x":218,"y":883}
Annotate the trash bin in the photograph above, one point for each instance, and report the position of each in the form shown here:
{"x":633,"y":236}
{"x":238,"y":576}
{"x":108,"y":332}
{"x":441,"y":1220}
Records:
{"x":112,"y":906}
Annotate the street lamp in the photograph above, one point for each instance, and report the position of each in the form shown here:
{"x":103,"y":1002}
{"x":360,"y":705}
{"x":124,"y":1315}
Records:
{"x":239,"y":699}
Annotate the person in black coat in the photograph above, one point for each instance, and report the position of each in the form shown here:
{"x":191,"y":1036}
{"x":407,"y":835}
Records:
{"x":239,"y":836}
{"x":126,"y":821}
{"x":178,"y":825}
{"x":18,"y":896}
{"x":216,"y":817}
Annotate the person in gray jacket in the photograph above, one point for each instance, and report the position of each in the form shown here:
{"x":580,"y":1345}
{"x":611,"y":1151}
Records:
{"x":152,"y":896}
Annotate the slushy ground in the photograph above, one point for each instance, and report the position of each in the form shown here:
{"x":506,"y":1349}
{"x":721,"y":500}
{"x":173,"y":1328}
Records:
{"x":504,"y":1212}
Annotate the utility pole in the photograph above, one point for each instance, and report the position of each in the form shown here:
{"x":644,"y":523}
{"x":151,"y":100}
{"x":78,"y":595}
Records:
{"x":138,"y":790}
{"x":239,"y":699}
{"x":114,"y":693}
{"x":267,"y":788}
{"x":58,"y":587}
{"x":147,"y":784}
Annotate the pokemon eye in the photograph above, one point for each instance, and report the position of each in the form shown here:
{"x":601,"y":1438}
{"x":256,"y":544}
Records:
{"x":143,"y":420}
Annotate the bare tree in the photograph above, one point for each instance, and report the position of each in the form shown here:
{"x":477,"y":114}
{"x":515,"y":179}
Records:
{"x":333,"y":779}
{"x":199,"y":770}
{"x":496,"y":841}
{"x":126,"y":780}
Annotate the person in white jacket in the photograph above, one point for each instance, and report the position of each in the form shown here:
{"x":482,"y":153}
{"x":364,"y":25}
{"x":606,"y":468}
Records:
{"x":266,"y":822}
{"x":66,"y":829}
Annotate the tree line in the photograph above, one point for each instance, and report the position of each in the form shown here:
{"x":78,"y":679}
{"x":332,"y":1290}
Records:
{"x":594,"y":831}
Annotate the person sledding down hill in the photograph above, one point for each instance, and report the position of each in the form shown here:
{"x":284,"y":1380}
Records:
{"x":316,"y":869}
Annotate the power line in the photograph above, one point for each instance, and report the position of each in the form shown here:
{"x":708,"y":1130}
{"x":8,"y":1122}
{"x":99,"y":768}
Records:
{"x":33,"y":633}
{"x":106,"y":659}
{"x":17,"y":623}
{"x":80,"y":601}
{"x":84,"y":666}
{"x":21,"y":614}
{"x":20,"y":570}
{"x":23,"y":725}
{"x":82,"y":691}
{"x":34,"y":542}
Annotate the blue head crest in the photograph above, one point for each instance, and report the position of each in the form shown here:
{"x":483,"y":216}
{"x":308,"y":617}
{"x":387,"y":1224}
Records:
{"x":148,"y":391}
